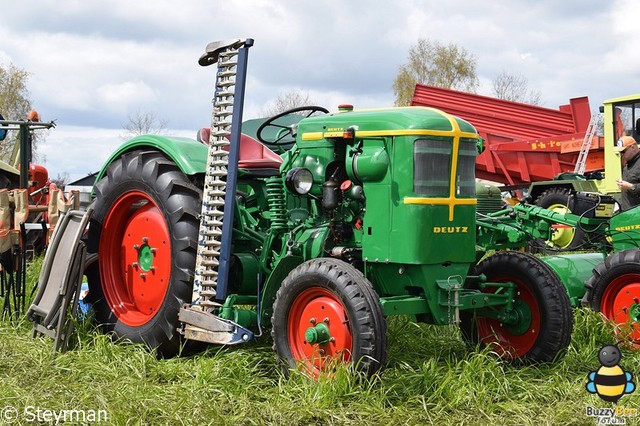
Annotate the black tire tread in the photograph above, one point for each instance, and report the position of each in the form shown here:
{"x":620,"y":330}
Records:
{"x":556,"y":315}
{"x":618,"y":263}
{"x":350,"y":285}
{"x":152,"y":172}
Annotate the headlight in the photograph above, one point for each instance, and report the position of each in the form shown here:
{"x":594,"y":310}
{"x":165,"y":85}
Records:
{"x":299,"y":180}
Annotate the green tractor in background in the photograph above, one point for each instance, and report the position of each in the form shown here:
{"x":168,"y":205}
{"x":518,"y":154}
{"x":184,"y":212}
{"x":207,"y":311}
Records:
{"x":607,"y":280}
{"x":350,"y":217}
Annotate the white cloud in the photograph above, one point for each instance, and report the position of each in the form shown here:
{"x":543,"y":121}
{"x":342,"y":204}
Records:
{"x":93,"y":63}
{"x":120,"y":95}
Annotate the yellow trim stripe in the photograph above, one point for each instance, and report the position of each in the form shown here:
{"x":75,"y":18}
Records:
{"x":314,"y":136}
{"x":440,"y":201}
{"x":451,"y":200}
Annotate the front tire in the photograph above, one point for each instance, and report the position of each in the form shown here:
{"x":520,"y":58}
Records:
{"x":614,"y":290}
{"x":144,"y":229}
{"x":326,"y":311}
{"x":546,"y":321}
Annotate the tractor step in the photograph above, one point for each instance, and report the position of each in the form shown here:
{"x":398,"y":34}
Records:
{"x":206,"y":327}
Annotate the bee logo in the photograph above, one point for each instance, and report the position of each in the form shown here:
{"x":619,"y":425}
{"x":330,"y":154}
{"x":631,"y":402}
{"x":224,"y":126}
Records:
{"x":610,"y":381}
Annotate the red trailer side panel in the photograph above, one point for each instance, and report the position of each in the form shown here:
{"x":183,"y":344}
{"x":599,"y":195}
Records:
{"x":524,"y":143}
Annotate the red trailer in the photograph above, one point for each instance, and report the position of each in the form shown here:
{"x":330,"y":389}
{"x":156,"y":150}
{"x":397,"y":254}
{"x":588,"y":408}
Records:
{"x":523,"y":143}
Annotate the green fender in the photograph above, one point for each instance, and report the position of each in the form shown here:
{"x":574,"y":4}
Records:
{"x":310,"y":244}
{"x":574,"y":270}
{"x":273,"y":282}
{"x":188,"y":154}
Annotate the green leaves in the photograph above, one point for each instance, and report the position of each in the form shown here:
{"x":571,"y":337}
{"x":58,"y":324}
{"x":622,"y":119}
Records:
{"x":431,"y":62}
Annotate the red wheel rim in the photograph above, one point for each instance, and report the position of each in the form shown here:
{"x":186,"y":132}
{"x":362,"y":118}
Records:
{"x":135,"y":258}
{"x":497,"y":335}
{"x":621,"y":303}
{"x":312,"y":307}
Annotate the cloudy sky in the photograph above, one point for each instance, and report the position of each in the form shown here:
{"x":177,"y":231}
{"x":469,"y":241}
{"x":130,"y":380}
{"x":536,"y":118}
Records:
{"x":94,"y":63}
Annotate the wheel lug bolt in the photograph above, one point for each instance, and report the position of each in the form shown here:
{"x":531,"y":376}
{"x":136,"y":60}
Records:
{"x":143,"y":276}
{"x":135,"y":265}
{"x":321,"y":351}
{"x":136,"y":247}
{"x":326,"y":320}
{"x":145,"y":240}
{"x":332,"y":340}
{"x":312,"y":320}
{"x":153,"y":250}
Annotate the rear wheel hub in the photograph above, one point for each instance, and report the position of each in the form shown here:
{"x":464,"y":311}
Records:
{"x":145,"y":256}
{"x":518,"y":320}
{"x":136,"y":256}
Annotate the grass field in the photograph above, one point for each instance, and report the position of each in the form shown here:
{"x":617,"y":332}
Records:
{"x":431,"y":378}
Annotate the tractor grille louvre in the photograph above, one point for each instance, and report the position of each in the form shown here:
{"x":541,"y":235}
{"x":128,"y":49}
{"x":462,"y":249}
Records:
{"x":489,"y":204}
{"x":432,"y":167}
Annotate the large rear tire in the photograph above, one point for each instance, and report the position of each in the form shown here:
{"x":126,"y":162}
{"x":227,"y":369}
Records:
{"x":542,"y":304}
{"x":144,"y":229}
{"x":325,"y":312}
{"x":614,"y":290}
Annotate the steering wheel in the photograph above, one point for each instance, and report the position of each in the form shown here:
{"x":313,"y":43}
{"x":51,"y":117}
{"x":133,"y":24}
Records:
{"x":288,"y":129}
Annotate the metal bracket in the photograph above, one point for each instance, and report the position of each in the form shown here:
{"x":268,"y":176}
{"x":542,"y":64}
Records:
{"x":213,"y":50}
{"x":206,"y":327}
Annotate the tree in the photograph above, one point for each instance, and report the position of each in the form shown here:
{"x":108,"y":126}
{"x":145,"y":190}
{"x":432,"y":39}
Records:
{"x":286,"y":101}
{"x":14,"y":103}
{"x":60,"y":180}
{"x":436,"y":64}
{"x":515,"y":87}
{"x":143,"y":123}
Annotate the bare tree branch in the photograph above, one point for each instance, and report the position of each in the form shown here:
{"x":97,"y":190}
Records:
{"x":143,"y":123}
{"x":286,"y":101}
{"x":515,"y":87}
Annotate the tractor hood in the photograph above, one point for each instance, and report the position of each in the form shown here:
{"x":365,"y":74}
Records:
{"x":402,"y":121}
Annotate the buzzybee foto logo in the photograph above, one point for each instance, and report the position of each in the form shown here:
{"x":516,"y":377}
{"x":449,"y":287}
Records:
{"x":610,"y":382}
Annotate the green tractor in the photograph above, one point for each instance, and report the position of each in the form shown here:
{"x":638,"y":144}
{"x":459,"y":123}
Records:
{"x":607,"y":280}
{"x":318,"y":230}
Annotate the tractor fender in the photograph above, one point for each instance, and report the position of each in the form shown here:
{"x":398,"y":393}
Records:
{"x":311,"y":243}
{"x":273,"y":282}
{"x":188,"y":154}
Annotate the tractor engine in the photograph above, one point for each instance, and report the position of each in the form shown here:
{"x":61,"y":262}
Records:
{"x":395,"y":188}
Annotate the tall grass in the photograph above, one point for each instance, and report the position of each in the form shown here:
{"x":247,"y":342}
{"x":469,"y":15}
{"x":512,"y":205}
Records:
{"x":431,"y":378}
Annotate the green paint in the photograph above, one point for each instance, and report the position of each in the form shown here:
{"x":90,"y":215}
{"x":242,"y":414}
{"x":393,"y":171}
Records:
{"x":625,"y":229}
{"x":574,"y":270}
{"x":188,"y":154}
{"x":145,"y":257}
{"x":317,"y":334}
{"x":634,"y":312}
{"x":518,"y":320}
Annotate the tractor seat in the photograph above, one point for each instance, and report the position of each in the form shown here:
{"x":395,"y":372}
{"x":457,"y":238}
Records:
{"x":253,"y":155}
